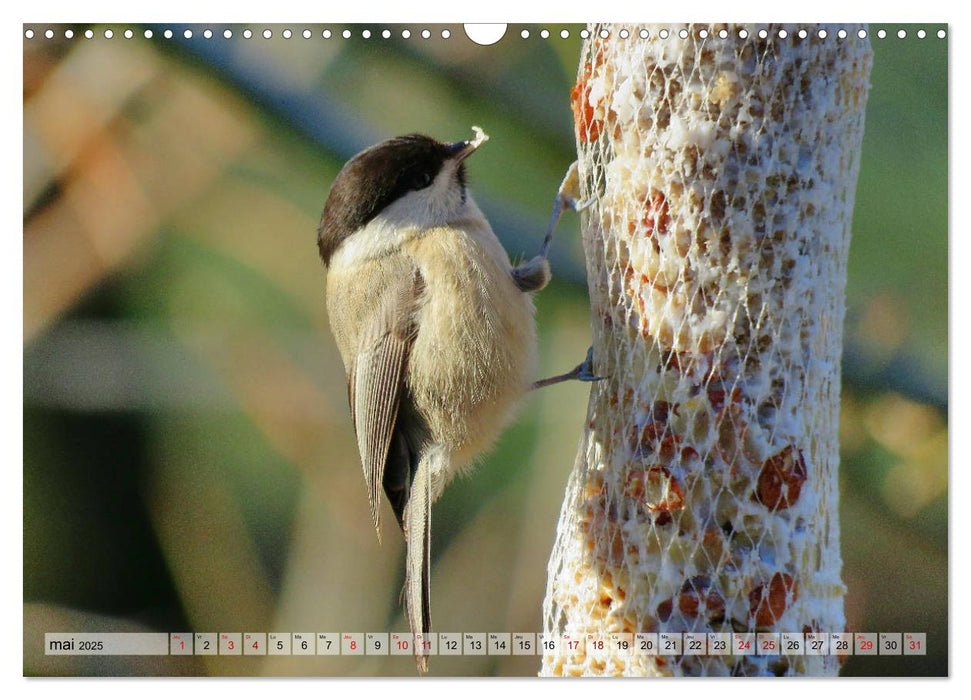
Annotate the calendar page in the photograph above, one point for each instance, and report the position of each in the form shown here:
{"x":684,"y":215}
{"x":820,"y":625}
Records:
{"x":547,"y":349}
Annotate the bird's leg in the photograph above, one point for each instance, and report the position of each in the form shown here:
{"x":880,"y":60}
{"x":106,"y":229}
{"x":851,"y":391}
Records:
{"x":582,"y":372}
{"x":535,"y":274}
{"x":567,"y":197}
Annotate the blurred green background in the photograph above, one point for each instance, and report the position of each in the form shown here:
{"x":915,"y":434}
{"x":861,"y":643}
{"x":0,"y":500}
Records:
{"x":189,"y":463}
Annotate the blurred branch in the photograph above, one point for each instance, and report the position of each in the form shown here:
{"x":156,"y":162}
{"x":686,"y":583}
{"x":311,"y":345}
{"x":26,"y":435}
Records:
{"x":315,"y":115}
{"x":72,"y":244}
{"x":903,"y":374}
{"x":533,"y":100}
{"x":210,"y":551}
{"x":76,"y":86}
{"x":120,"y":179}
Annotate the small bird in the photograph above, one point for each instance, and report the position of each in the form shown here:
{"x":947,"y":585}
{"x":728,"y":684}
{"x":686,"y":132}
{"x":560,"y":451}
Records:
{"x":434,"y":325}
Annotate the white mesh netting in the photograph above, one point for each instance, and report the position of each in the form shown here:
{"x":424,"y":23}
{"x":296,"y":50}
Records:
{"x":704,"y":495}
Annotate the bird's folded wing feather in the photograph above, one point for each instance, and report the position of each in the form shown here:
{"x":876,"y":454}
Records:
{"x":374,"y":381}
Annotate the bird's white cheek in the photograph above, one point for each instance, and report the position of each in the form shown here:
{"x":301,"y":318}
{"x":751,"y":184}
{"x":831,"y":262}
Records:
{"x":405,"y":219}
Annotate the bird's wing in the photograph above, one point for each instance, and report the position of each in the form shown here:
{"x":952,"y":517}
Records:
{"x":375,"y":380}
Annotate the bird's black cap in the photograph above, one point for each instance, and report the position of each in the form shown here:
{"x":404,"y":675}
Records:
{"x":380,"y":175}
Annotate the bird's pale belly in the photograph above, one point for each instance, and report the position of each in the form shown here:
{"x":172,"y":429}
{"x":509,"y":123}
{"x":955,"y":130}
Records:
{"x":473,"y":362}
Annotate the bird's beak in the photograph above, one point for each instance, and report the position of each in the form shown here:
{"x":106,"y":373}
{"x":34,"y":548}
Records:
{"x":463,"y":149}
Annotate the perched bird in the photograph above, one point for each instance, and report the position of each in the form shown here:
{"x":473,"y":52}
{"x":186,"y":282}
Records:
{"x":434,"y":325}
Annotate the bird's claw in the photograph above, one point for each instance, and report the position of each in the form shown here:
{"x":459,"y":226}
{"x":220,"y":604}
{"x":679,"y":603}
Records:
{"x":585,"y":204}
{"x":584,"y":370}
{"x":568,"y":196}
{"x":569,"y":192}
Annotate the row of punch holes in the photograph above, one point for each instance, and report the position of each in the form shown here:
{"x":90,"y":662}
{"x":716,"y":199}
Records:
{"x":485,"y":40}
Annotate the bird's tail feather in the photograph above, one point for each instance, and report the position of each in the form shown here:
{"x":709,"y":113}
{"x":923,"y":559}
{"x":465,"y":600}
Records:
{"x":418,"y":561}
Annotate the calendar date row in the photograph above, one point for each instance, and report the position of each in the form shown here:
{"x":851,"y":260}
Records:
{"x":488,"y":644}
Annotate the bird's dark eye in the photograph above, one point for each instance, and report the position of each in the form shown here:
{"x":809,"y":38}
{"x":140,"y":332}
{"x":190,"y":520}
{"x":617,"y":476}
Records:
{"x":423,"y":180}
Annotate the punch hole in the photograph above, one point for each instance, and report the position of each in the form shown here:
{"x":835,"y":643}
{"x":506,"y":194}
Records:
{"x":584,"y":34}
{"x":109,"y":34}
{"x":346,"y":33}
{"x":307,"y":33}
{"x":663,"y":33}
{"x":901,"y":34}
{"x":783,"y":33}
{"x":524,"y":34}
{"x":207,"y":34}
{"x":386,"y":34}
{"x":326,"y":34}
{"x":821,"y":34}
{"x":763,"y":34}
{"x":247,"y":33}
{"x":187,"y":33}
{"x":703,"y":33}
{"x":287,"y":33}
{"x":29,"y":34}
{"x":167,"y":33}
{"x":49,"y":33}
{"x":644,"y":34}
{"x":68,"y":33}
{"x":941,"y":34}
{"x":743,"y":34}
{"x":425,"y":34}
{"x":623,"y":34}
{"x":88,"y":34}
{"x":723,"y":34}
{"x":921,"y":34}
{"x":604,"y":34}
{"x":228,"y":34}
{"x":446,"y":34}
{"x":485,"y":34}
{"x":683,"y":33}
{"x":366,"y":34}
{"x":545,"y":34}
{"x":841,"y":33}
{"x":405,"y":33}
{"x":267,"y":34}
{"x":565,"y":34}
{"x":149,"y":34}
{"x":803,"y":33}
{"x":882,"y":34}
